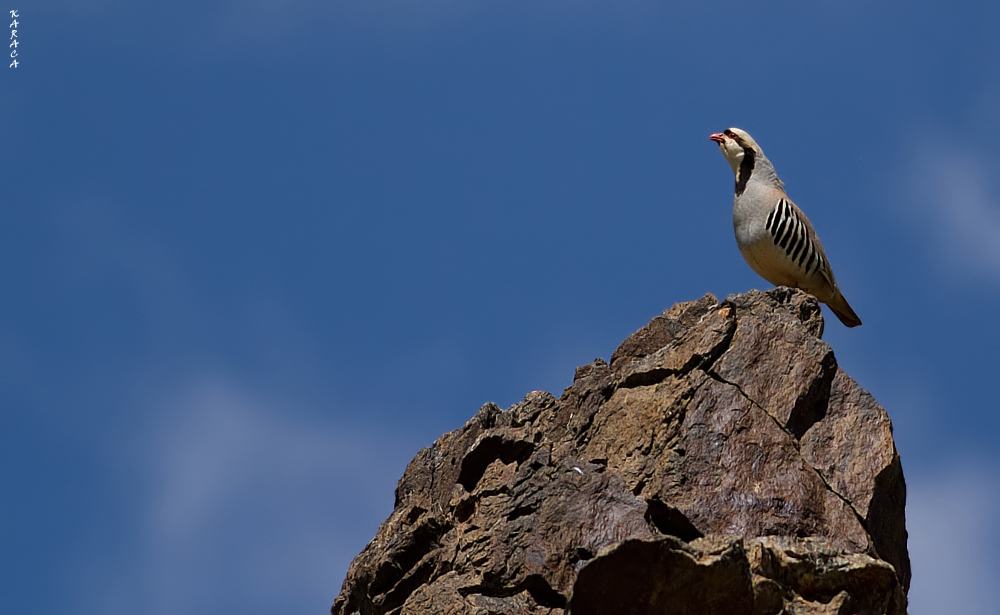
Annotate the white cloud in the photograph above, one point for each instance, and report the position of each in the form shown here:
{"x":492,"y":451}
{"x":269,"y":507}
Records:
{"x":249,"y":504}
{"x":961,"y":215}
{"x":952,"y":519}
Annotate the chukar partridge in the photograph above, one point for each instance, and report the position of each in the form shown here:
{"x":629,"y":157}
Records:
{"x":774,"y":236}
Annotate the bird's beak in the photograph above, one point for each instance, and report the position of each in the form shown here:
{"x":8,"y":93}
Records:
{"x":717,"y":137}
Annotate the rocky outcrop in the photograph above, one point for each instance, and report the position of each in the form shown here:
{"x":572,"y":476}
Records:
{"x":721,"y":463}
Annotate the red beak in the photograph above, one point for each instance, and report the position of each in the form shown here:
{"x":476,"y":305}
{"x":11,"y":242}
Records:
{"x":717,"y":137}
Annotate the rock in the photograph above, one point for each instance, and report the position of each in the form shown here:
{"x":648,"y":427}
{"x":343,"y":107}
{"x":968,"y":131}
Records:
{"x":722,"y":463}
{"x":665,"y":576}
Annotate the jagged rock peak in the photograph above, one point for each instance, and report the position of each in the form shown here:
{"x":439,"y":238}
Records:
{"x":721,"y":463}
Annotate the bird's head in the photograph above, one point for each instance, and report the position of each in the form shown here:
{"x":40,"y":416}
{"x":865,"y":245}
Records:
{"x":736,"y":145}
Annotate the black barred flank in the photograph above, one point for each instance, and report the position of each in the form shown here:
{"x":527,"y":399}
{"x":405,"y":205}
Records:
{"x":791,"y":235}
{"x":779,"y":227}
{"x":798,"y":244}
{"x":807,"y":251}
{"x":789,"y":230}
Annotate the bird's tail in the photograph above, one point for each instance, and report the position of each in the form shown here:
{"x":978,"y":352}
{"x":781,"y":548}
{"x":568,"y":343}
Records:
{"x":839,"y":306}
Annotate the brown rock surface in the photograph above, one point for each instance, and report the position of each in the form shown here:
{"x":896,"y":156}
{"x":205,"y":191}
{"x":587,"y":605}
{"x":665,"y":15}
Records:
{"x":722,"y":463}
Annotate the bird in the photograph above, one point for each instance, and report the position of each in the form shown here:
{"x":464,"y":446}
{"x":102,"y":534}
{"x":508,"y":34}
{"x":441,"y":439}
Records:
{"x":773,"y":234}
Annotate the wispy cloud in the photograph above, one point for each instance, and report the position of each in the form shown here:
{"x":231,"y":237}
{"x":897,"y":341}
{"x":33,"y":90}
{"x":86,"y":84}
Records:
{"x":249,"y":503}
{"x":960,"y":215}
{"x":247,"y":499}
{"x":953,"y":540}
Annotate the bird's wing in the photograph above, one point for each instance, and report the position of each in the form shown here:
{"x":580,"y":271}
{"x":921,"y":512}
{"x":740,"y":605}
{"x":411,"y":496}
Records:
{"x":791,"y":232}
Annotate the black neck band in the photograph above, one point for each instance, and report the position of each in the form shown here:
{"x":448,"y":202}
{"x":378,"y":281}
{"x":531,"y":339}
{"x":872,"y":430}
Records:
{"x":746,"y":168}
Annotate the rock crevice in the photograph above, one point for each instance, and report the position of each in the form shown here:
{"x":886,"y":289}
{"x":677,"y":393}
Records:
{"x":720,"y":462}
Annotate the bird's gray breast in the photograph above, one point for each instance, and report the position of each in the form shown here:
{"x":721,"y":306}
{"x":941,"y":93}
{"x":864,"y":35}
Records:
{"x":749,"y":213}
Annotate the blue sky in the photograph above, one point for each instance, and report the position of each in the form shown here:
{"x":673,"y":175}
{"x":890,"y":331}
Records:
{"x":257,"y":254}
